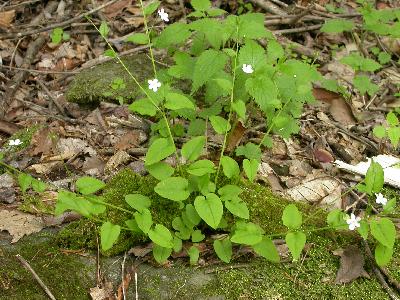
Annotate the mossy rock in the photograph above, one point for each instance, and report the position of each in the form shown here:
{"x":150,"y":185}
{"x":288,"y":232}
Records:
{"x":95,"y":84}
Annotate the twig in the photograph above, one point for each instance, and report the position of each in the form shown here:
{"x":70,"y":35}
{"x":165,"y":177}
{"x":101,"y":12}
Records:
{"x":269,"y":7}
{"x":303,"y":50}
{"x":46,"y":90}
{"x":283,"y":4}
{"x":296,"y":18}
{"x":15,"y":35}
{"x":379,"y":275}
{"x":26,"y":265}
{"x":10,"y":7}
{"x":297,"y":30}
{"x":38,"y":71}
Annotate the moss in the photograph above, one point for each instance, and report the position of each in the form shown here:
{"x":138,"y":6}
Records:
{"x":94,"y":85}
{"x":82,"y":234}
{"x":33,"y":203}
{"x":57,"y":270}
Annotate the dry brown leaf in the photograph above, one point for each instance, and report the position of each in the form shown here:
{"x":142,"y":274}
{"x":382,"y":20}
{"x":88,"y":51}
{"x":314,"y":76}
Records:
{"x":128,"y":140}
{"x":19,"y":224}
{"x":119,"y":158}
{"x":323,"y":155}
{"x":351,"y":265}
{"x":6,"y":17}
{"x":114,"y":9}
{"x":235,"y":136}
{"x":41,"y":142}
{"x":102,"y":293}
{"x":341,"y":112}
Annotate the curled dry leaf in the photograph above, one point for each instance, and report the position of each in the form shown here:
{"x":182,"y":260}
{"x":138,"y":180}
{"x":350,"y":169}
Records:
{"x":6,"y":17}
{"x":351,"y":265}
{"x":19,"y":224}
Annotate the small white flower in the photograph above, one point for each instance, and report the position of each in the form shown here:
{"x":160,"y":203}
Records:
{"x":247,"y":69}
{"x":294,"y":75}
{"x":154,"y":84}
{"x":15,"y":142}
{"x":353,"y":222}
{"x":163,"y":15}
{"x":380,"y":199}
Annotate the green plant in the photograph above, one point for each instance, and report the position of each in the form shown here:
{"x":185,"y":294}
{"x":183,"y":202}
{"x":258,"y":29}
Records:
{"x":230,"y":75}
{"x":392,"y":130}
{"x":58,"y":35}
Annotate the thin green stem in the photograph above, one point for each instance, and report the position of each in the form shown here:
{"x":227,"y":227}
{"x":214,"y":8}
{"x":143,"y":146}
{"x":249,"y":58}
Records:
{"x":230,"y":111}
{"x":109,"y":205}
{"x":148,"y":39}
{"x":164,"y":116}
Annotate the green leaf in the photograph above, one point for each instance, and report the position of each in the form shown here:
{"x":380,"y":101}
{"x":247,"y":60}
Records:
{"x":390,"y":206}
{"x":138,"y":38}
{"x":251,"y":26}
{"x":201,"y":167}
{"x":173,"y":188}
{"x":103,"y":29}
{"x":295,"y":242}
{"x":161,"y":236}
{"x":264,"y":92}
{"x":138,"y":202}
{"x":250,"y":151}
{"x":177,"y":244}
{"x":151,"y":7}
{"x":197,"y":236}
{"x":24,"y":181}
{"x":173,"y":34}
{"x":230,"y":167}
{"x":374,"y":178}
{"x":184,"y":66}
{"x":212,"y":30}
{"x":161,"y":254}
{"x":160,"y":170}
{"x":196,"y":127}
{"x":88,"y":185}
{"x":291,"y":217}
{"x":160,"y":148}
{"x":364,"y":85}
{"x":247,"y":234}
{"x":38,"y":185}
{"x":183,"y":231}
{"x":144,"y":107}
{"x":383,"y":254}
{"x":176,"y":101}
{"x":274,"y":51}
{"x":109,"y":234}
{"x":57,"y":35}
{"x":144,"y":220}
{"x":192,"y":214}
{"x":237,"y":207}
{"x":192,"y":149}
{"x":220,"y":124}
{"x":337,"y":219}
{"x":384,"y":231}
{"x":223,"y":249}
{"x":337,"y":26}
{"x":250,"y":168}
{"x":363,"y":229}
{"x":194,"y":254}
{"x":379,"y":131}
{"x":216,"y":12}
{"x":267,"y":249}
{"x":210,"y":209}
{"x":240,"y":108}
{"x":70,"y":201}
{"x":392,"y":119}
{"x":252,"y":53}
{"x":357,"y":62}
{"x":229,"y":190}
{"x":209,"y":63}
{"x":201,"y":5}
{"x":394,"y":135}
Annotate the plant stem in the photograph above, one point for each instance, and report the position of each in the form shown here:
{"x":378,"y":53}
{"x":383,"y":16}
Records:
{"x":230,"y":110}
{"x":109,"y":205}
{"x":148,"y":39}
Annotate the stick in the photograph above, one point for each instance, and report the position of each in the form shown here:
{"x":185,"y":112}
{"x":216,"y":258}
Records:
{"x":269,"y":7}
{"x":26,"y":265}
{"x":52,"y":26}
{"x":297,"y":30}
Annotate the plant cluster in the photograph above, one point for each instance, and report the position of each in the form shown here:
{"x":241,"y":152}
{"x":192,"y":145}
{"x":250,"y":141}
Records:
{"x":231,"y":77}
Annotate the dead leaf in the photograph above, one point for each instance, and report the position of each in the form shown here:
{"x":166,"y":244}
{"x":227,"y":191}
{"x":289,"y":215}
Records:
{"x":324,"y":95}
{"x":235,"y":136}
{"x":6,"y":17}
{"x":41,"y":142}
{"x":141,"y":251}
{"x":129,"y":140}
{"x":119,"y":158}
{"x":351,"y":265}
{"x":323,"y":155}
{"x":114,"y":9}
{"x":19,"y":224}
{"x":102,"y":293}
{"x":341,"y":112}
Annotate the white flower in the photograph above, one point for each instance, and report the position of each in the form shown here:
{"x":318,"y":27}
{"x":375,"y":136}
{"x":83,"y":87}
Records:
{"x":247,"y":69}
{"x":163,"y":15}
{"x":380,"y":199}
{"x":154,"y":84}
{"x":353,"y":222}
{"x":15,"y":142}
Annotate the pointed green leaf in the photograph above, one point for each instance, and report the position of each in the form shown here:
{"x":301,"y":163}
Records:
{"x":374,"y":178}
{"x":161,"y":148}
{"x":24,"y":181}
{"x":223,"y":249}
{"x":267,"y":249}
{"x":161,"y":254}
{"x":230,"y":167}
{"x":194,"y":254}
{"x":137,"y":38}
{"x":295,"y":242}
{"x":161,"y":236}
{"x":238,"y":208}
{"x":88,"y":185}
{"x":250,"y":168}
{"x":192,"y":149}
{"x":291,"y":217}
{"x":337,"y":26}
{"x":138,"y":202}
{"x":210,"y":209}
{"x":220,"y":124}
{"x":197,"y":236}
{"x":383,"y":254}
{"x":175,"y":101}
{"x":173,"y":188}
{"x":247,"y":234}
{"x":109,"y":234}
{"x":160,"y":170}
{"x":144,"y":220}
{"x":201,"y":167}
{"x":384,"y":231}
{"x":144,"y":107}
{"x":151,"y":7}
